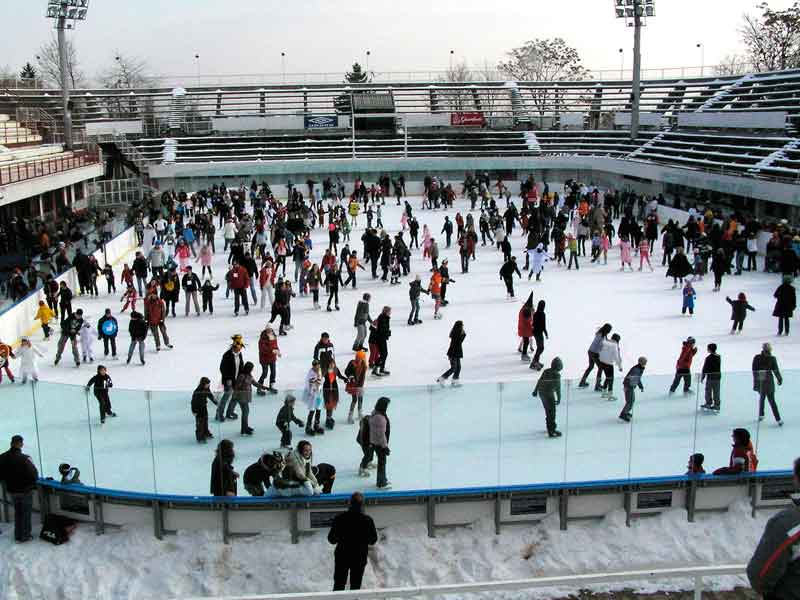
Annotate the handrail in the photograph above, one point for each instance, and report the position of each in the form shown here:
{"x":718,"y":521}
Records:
{"x":43,"y":167}
{"x":696,"y":574}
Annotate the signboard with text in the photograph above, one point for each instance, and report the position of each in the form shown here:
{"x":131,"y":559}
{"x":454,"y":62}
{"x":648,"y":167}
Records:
{"x":467,"y":119}
{"x":322,"y":122}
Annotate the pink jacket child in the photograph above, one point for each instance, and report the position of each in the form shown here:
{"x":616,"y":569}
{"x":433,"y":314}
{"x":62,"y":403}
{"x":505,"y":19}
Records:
{"x":426,"y":242}
{"x":183,"y":253}
{"x":605,"y":244}
{"x":625,"y":254}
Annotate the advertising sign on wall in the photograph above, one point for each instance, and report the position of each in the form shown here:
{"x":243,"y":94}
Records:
{"x":467,"y":119}
{"x":322,"y":122}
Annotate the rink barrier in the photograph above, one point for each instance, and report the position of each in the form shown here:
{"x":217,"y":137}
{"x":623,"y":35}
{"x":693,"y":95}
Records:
{"x":17,"y":321}
{"x":437,"y":508}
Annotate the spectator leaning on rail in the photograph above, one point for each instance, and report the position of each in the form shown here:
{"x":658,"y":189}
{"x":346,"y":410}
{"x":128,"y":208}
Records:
{"x":352,"y":532}
{"x":774,"y":569}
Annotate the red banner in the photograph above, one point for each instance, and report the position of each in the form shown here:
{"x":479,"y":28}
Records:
{"x":467,"y":119}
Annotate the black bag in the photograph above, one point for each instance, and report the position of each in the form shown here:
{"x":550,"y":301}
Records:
{"x":57,"y":529}
{"x":362,"y":437}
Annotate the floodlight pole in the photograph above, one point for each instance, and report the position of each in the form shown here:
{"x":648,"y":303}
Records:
{"x":61,"y":26}
{"x":636,"y":88}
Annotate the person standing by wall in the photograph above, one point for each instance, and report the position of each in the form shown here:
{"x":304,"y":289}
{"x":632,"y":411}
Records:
{"x":352,"y":532}
{"x":379,"y":432}
{"x":19,"y":474}
{"x":548,"y":388}
{"x":765,"y":372}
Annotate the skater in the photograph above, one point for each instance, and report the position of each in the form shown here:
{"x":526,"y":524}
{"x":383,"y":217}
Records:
{"x":382,"y":334}
{"x":632,"y":380}
{"x":679,"y":267}
{"x":191,"y":286}
{"x":129,"y":297}
{"x":352,"y":532}
{"x":548,"y":388}
{"x":87,"y":335}
{"x":107,"y":330}
{"x":539,"y":334}
{"x":507,"y":275}
{"x":6,"y":354}
{"x":100,"y":384}
{"x":720,"y":266}
{"x":743,"y":456}
{"x":268,"y":354}
{"x":435,"y":290}
{"x":525,"y":326}
{"x":455,"y":353}
{"x":324,"y":351}
{"x":356,"y":374}
{"x":610,"y":355}
{"x":600,"y":336}
{"x":537,"y":258}
{"x":644,"y":253}
{"x":572,"y":244}
{"x":229,"y":368}
{"x":285,"y":419}
{"x":684,"y":366}
{"x":739,"y":308}
{"x":330,"y":392}
{"x":257,"y":476}
{"x":712,"y":375}
{"x":155,"y":312}
{"x":332,"y":281}
{"x":207,"y":292}
{"x":170,"y":290}
{"x":311,"y":396}
{"x":27,"y":355}
{"x":414,"y":290}
{"x":223,"y":476}
{"x":239,"y":283}
{"x":765,"y":372}
{"x":785,"y":304}
{"x":688,"y":298}
{"x":625,"y":253}
{"x":137,"y":328}
{"x":44,"y":315}
{"x":379,"y":433}
{"x":266,"y":281}
{"x":70,"y":329}
{"x":360,"y":322}
{"x":243,"y":395}
{"x":200,"y":398}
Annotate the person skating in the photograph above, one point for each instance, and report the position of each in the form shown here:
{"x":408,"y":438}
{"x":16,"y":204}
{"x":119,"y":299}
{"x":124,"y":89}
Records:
{"x":311,"y":396}
{"x":360,"y":322}
{"x":712,"y":376}
{"x":137,"y":328}
{"x":285,"y":419}
{"x":632,"y":380}
{"x":548,"y":389}
{"x":324,"y":351}
{"x":743,"y":456}
{"x":239,"y":282}
{"x":688,"y":298}
{"x":155,"y":312}
{"x":70,"y":330}
{"x":170,"y":290}
{"x":6,"y":354}
{"x":223,"y":475}
{"x":455,"y":352}
{"x":610,"y":355}
{"x":243,"y":394}
{"x":332,"y":281}
{"x":720,"y":266}
{"x":379,"y":433}
{"x":600,"y":336}
{"x":19,"y":475}
{"x":352,"y":532}
{"x":537,"y":259}
{"x":191,"y":286}
{"x":268,"y":354}
{"x":330,"y":391}
{"x":774,"y":569}
{"x":679,"y":267}
{"x":229,"y":368}
{"x":507,"y":275}
{"x":785,"y":304}
{"x":86,"y":336}
{"x":539,"y":334}
{"x":207,"y":293}
{"x":739,"y":308}
{"x":765,"y":372}
{"x":414,"y":290}
{"x":383,"y":332}
{"x":100,"y":384}
{"x":444,"y":272}
{"x":44,"y":314}
{"x":683,"y":367}
{"x":356,"y":374}
{"x":27,"y":355}
{"x":435,"y":290}
{"x":525,"y":326}
{"x":200,"y":399}
{"x":107,"y":330}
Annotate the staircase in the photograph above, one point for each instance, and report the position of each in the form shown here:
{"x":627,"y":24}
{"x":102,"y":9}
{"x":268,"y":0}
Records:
{"x":533,"y":142}
{"x":170,"y":154}
{"x":177,"y":109}
{"x":779,"y":154}
{"x":720,"y":97}
{"x":651,"y":142}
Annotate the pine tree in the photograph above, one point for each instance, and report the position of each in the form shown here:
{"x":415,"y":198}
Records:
{"x":28,"y":72}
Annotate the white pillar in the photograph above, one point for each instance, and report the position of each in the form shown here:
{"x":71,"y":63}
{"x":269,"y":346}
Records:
{"x":41,"y":207}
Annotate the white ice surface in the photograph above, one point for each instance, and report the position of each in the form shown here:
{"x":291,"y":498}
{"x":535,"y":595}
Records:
{"x":480,"y":434}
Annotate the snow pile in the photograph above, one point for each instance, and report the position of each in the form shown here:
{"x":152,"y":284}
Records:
{"x":132,"y":564}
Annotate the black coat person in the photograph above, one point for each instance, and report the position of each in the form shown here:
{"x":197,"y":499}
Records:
{"x":785,"y":304}
{"x":352,"y":532}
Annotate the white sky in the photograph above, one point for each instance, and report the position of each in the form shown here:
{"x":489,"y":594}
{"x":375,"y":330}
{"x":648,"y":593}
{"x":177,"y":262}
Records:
{"x":247,"y":36}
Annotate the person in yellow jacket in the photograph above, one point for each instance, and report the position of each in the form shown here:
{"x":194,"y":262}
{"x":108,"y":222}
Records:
{"x":353,"y":209}
{"x":45,"y":315}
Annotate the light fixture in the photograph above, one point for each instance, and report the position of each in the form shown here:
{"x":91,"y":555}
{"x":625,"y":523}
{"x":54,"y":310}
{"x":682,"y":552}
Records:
{"x":71,"y":10}
{"x":631,"y":9}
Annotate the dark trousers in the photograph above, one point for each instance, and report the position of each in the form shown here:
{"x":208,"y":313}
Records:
{"x":47,"y":331}
{"x":109,"y":341}
{"x":381,"y":452}
{"x":414,"y":314}
{"x":267,"y":368}
{"x":525,"y":342}
{"x":368,"y":453}
{"x":509,"y":285}
{"x":630,"y":399}
{"x":333,"y":294}
{"x":454,"y":370}
{"x":783,"y":325}
{"x":286,"y":434}
{"x":549,"y":405}
{"x":608,"y":371}
{"x":23,"y":508}
{"x":712,"y":392}
{"x":201,"y":431}
{"x":208,"y":303}
{"x":351,"y":276}
{"x":244,"y":407}
{"x":340,"y":574}
{"x":383,"y":348}
{"x":240,"y":295}
{"x":539,"y":339}
{"x":737,"y":324}
{"x":104,"y":402}
{"x":573,"y":256}
{"x":770,"y":397}
{"x":594,"y":361}
{"x":687,"y":380}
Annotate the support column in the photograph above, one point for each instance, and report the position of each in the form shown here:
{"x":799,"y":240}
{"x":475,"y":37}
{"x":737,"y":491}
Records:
{"x":41,"y":206}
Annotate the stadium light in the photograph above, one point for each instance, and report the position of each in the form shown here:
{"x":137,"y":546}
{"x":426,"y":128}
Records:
{"x":66,"y":14}
{"x":635,"y":13}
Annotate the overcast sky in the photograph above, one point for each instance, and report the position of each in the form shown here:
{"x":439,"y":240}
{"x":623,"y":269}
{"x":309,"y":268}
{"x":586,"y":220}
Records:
{"x":248,"y":36}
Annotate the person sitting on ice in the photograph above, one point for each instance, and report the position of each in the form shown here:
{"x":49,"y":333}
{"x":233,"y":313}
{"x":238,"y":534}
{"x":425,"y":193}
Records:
{"x":743,"y":456}
{"x":257,"y":477}
{"x":297,"y":477}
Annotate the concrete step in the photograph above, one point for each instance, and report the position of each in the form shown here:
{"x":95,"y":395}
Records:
{"x":4,"y":118}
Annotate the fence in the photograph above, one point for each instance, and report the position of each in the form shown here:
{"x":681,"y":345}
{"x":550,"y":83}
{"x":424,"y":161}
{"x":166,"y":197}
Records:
{"x":42,"y":167}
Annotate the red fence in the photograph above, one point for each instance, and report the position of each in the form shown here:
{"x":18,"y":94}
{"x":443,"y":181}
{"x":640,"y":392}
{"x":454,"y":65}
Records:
{"x":42,"y":167}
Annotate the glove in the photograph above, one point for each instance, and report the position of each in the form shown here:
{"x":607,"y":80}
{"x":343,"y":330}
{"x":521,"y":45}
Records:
{"x":534,"y":393}
{"x":388,"y":452}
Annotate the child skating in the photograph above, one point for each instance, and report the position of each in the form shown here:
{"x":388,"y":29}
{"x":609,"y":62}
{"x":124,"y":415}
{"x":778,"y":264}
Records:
{"x":688,"y":298}
{"x":739,"y":308}
{"x":28,"y":354}
{"x":100,"y":384}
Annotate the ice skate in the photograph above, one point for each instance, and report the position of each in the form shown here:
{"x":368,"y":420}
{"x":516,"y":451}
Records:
{"x":554,"y":434}
{"x":440,"y":381}
{"x":455,"y":383}
{"x":525,"y":358}
{"x":780,"y":423}
{"x":611,"y":397}
{"x":350,"y":417}
{"x":329,"y":423}
{"x":385,"y":486}
{"x":363,"y":472}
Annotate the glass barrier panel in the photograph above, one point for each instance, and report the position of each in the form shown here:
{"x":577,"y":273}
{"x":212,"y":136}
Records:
{"x":776,"y":445}
{"x":66,"y":428}
{"x":465,"y":436}
{"x":19,"y":418}
{"x":527,"y":454}
{"x":599,"y":441}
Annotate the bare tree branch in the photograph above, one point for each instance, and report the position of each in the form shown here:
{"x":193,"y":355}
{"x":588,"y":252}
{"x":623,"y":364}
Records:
{"x":50,"y":65}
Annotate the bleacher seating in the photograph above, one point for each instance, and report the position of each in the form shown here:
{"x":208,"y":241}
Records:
{"x":14,"y":134}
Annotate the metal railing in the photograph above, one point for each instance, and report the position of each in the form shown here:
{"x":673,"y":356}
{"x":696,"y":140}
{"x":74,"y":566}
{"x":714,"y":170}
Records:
{"x":42,"y":167}
{"x":696,"y":575}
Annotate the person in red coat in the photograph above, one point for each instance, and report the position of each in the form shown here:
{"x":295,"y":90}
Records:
{"x":268,"y":354}
{"x":155,"y":312}
{"x":684,"y":366}
{"x":239,"y":283}
{"x":525,"y":326}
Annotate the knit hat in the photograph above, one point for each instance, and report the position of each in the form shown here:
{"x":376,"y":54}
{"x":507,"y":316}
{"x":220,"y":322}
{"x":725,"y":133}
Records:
{"x":237,"y":340}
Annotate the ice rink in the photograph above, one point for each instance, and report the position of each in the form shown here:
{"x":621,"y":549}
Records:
{"x":488,"y":432}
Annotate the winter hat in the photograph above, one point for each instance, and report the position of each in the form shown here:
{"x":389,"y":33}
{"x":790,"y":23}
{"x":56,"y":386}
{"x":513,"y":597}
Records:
{"x":289,"y":399}
{"x":690,"y":340}
{"x":529,"y":301}
{"x":237,"y":340}
{"x":556,"y":364}
{"x":361,"y":355}
{"x":742,"y":297}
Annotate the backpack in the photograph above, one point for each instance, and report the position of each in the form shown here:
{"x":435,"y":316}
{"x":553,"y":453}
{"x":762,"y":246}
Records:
{"x":362,"y":437}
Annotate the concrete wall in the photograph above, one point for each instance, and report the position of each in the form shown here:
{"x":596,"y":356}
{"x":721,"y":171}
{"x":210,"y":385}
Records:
{"x":734,"y":120}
